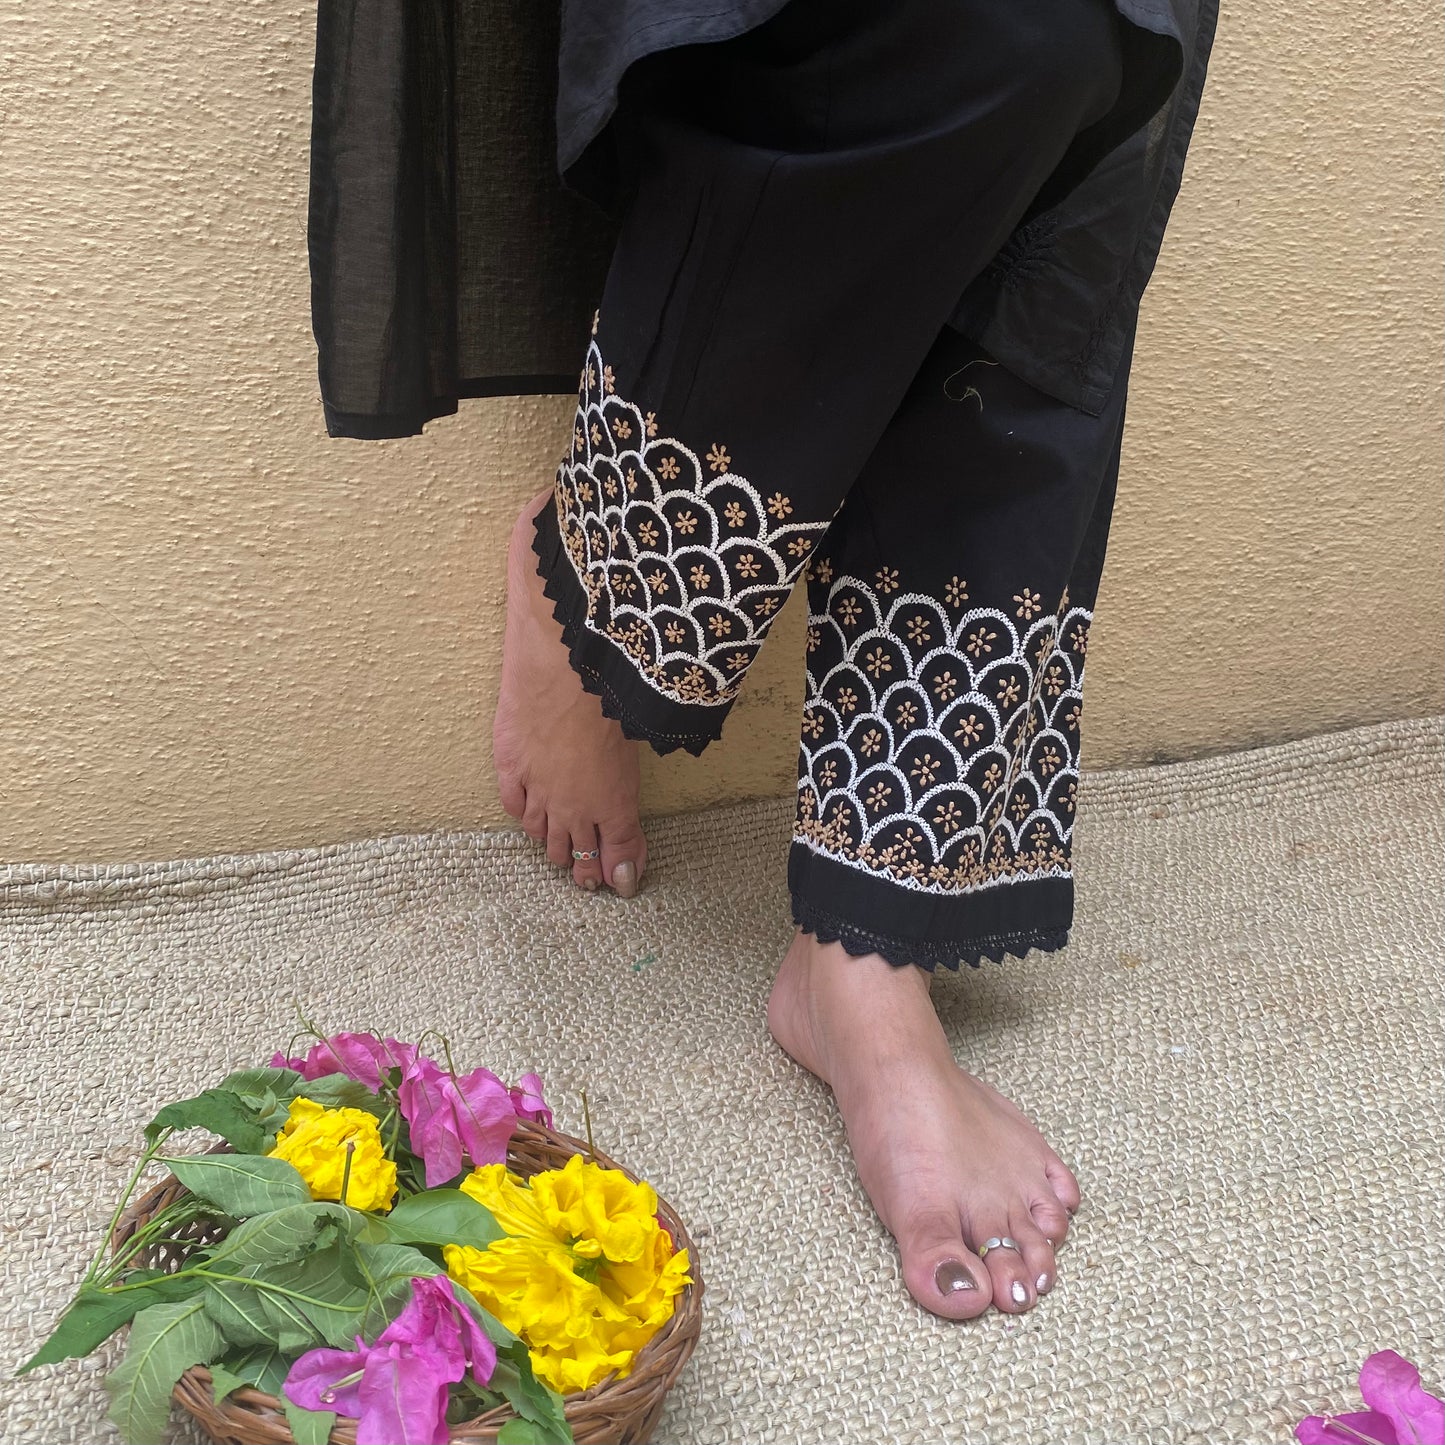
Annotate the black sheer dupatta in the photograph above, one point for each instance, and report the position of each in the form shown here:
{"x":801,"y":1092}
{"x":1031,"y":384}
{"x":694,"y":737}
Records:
{"x":447,"y":259}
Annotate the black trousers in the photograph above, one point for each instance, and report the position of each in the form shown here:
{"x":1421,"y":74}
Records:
{"x":771,"y":392}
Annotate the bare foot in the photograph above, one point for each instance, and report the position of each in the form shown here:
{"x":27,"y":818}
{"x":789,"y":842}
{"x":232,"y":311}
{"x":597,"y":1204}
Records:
{"x":947,"y":1161}
{"x":562,"y":767}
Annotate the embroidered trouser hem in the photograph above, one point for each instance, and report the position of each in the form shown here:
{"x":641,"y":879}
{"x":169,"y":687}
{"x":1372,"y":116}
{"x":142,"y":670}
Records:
{"x":610,"y":671}
{"x":771,"y":387}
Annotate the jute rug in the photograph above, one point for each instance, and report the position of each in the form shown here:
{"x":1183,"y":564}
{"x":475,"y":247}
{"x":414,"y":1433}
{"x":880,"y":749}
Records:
{"x":1239,"y":1055}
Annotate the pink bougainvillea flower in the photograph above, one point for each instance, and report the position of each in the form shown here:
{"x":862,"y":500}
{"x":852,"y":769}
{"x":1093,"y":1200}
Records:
{"x":1401,"y":1411}
{"x":396,"y":1389}
{"x":527,"y":1100}
{"x":359,"y":1056}
{"x":454,"y":1121}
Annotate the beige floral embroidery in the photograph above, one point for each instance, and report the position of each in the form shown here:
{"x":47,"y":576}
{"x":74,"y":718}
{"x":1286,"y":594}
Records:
{"x":779,"y":506}
{"x":980,"y":642}
{"x":718,"y":459}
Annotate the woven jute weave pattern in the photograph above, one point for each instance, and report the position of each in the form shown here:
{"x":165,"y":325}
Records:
{"x":1239,"y":1054}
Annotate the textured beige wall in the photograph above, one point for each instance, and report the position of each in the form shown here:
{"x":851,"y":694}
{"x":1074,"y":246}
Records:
{"x":221,"y":630}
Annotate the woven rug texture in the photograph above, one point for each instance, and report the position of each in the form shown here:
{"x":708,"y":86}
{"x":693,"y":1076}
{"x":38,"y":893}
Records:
{"x":1239,"y":1054}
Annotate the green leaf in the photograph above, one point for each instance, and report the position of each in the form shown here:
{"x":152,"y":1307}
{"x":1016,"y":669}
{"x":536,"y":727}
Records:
{"x":264,"y":1368}
{"x":337,"y":1091}
{"x":282,"y":1235}
{"x":223,"y":1382}
{"x":95,"y":1314}
{"x":259,"y":1082}
{"x":533,"y":1400}
{"x":308,"y":1427}
{"x":221,"y":1111}
{"x":241,"y":1184}
{"x":528,"y":1432}
{"x":165,"y":1341}
{"x":312,"y":1301}
{"x":442,"y":1216}
{"x":389,"y":1270}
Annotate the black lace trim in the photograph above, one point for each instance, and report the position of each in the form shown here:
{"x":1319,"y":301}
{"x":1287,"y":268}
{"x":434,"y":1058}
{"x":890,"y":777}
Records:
{"x":924,"y":953}
{"x":569,"y":610}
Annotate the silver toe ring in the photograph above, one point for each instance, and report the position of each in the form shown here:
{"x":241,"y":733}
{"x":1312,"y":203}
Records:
{"x":586,"y":857}
{"x":999,"y":1241}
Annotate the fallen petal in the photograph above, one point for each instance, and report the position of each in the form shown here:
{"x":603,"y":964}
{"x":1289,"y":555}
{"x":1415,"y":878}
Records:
{"x":1390,"y":1384}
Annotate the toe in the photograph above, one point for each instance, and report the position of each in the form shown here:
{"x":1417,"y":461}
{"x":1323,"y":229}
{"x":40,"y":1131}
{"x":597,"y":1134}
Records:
{"x":1063,"y":1183}
{"x":559,"y":844}
{"x":1013,"y":1290}
{"x":534,"y":817}
{"x":512,"y":794}
{"x":1051,"y":1218}
{"x":941,"y":1272}
{"x":624,"y":855}
{"x":586,"y":872}
{"x":1038,"y":1253}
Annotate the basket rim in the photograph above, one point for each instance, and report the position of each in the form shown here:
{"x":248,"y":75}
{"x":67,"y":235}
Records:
{"x":248,"y":1400}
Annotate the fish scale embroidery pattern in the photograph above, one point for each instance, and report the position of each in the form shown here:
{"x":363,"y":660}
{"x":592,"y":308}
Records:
{"x":684,"y":561}
{"x":940,"y":746}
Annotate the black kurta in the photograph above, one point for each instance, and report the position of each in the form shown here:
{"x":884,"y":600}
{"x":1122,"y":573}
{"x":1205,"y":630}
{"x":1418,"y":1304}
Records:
{"x":449,"y":259}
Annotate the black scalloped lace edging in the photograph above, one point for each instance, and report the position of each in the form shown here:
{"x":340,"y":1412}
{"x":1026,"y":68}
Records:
{"x":927,"y":955}
{"x":574,"y":633}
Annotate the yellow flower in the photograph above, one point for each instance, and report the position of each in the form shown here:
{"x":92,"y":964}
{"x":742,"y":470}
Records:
{"x":586,"y":1203}
{"x":586,"y":1275}
{"x":316,"y":1141}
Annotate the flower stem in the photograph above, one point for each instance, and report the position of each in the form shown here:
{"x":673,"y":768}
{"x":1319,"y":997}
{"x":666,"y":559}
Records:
{"x":202,"y":1273}
{"x":346,"y":1169}
{"x":587,"y":1124}
{"x":131,"y":1183}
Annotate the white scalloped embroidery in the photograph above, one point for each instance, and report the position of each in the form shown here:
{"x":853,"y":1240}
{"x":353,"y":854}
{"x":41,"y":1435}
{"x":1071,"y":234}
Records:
{"x":940,"y":747}
{"x":685,"y":563}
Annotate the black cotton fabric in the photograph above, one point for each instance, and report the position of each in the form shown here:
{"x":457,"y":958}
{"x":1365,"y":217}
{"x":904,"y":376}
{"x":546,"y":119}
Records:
{"x":772,"y":392}
{"x":466,"y":195}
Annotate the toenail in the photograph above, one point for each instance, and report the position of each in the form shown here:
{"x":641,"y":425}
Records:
{"x":624,"y":879}
{"x":1019,"y":1292}
{"x":951,"y":1276}
{"x":590,"y":884}
{"x":1042,"y":1284}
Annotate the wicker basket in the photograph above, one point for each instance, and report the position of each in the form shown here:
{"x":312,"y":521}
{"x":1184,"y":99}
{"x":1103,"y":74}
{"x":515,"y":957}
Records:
{"x":614,"y":1412}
